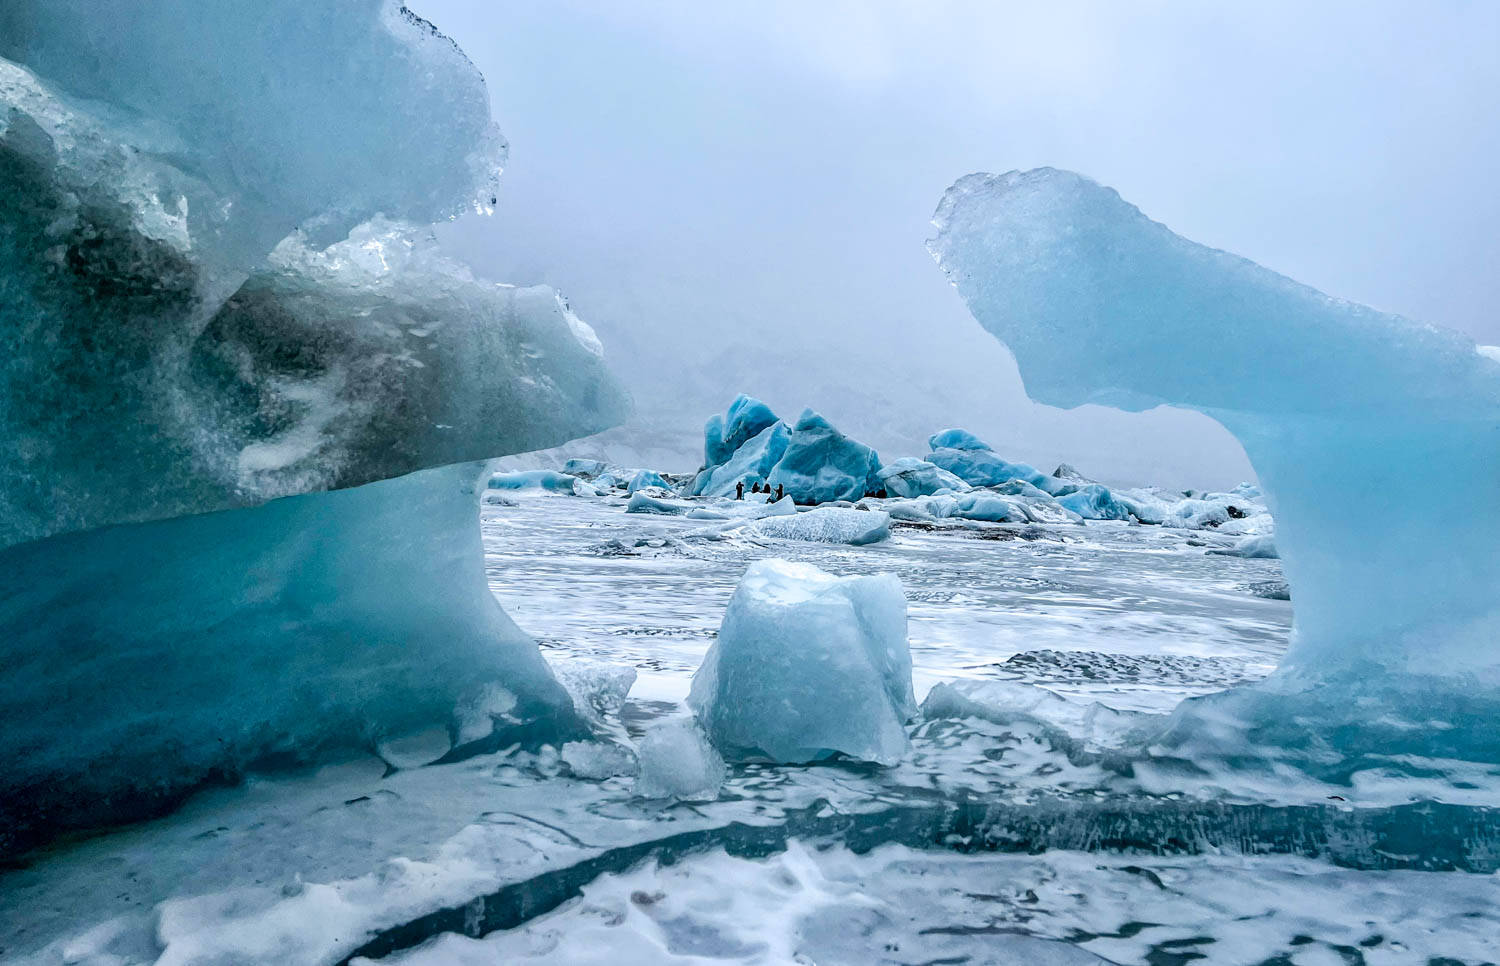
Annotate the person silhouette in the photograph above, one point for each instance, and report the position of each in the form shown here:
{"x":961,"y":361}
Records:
{"x":739,"y":490}
{"x":780,"y":490}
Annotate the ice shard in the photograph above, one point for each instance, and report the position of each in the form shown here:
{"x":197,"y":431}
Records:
{"x":224,"y":325}
{"x":1334,"y":402}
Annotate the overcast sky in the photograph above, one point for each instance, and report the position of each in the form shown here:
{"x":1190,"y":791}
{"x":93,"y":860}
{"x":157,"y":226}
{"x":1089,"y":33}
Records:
{"x":736,"y":195}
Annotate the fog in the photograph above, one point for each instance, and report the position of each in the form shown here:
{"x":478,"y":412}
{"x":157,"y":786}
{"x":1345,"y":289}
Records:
{"x":736,"y":195}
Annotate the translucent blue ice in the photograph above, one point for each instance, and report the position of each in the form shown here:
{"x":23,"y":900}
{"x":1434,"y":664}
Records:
{"x":1334,"y":403}
{"x":910,"y":477}
{"x":808,"y":665}
{"x":751,"y":464}
{"x":645,"y":478}
{"x":549,"y":480}
{"x":821,"y":464}
{"x":956,"y":439}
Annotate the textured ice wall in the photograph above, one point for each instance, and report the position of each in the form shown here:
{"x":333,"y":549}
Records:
{"x":216,"y":291}
{"x":143,"y":660}
{"x":1338,"y":406}
{"x":151,"y":158}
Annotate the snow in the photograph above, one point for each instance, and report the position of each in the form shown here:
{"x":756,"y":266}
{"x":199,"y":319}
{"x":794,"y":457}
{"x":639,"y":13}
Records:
{"x":910,"y":477}
{"x":826,"y":524}
{"x":1334,"y":403}
{"x":822,"y":465}
{"x":808,"y":665}
{"x":677,"y":761}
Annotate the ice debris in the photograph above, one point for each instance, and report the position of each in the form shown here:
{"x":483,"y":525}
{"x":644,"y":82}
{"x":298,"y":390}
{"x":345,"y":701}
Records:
{"x":807,"y":666}
{"x":678,"y":761}
{"x":826,"y":524}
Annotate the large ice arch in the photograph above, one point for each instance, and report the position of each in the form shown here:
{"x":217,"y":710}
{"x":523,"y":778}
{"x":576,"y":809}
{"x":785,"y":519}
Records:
{"x":1376,"y":440}
{"x":243,"y":396}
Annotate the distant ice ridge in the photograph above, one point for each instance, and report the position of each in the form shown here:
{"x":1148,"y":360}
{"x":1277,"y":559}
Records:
{"x":215,"y":292}
{"x":807,"y":666}
{"x":1334,"y":403}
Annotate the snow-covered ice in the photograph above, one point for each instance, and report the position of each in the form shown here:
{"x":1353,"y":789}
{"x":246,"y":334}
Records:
{"x":808,"y":665}
{"x":826,"y":524}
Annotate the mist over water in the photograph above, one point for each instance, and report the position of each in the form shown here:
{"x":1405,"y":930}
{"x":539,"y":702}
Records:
{"x":737,"y":197}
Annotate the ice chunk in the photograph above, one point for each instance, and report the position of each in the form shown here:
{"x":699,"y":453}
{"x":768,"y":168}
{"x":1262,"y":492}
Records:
{"x":1086,"y":726}
{"x":584,"y":469}
{"x":822,"y":465}
{"x":598,"y":760}
{"x":753,"y":507}
{"x":646,"y":503}
{"x":827,"y":524}
{"x":645,"y":478}
{"x":1334,"y":403}
{"x":145,"y":660}
{"x":678,"y":761}
{"x":956,"y":439}
{"x":1259,"y":547}
{"x":185,"y":368}
{"x":548,"y":480}
{"x":1094,"y":501}
{"x":746,"y":418}
{"x":217,"y":303}
{"x":988,"y":507}
{"x":808,"y":665}
{"x":909,"y":477}
{"x":751,"y":463}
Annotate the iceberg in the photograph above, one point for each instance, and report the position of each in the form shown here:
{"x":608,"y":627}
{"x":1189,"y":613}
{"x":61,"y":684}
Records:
{"x":146,"y":660}
{"x":746,"y":418}
{"x":750,"y":464}
{"x":826,"y":524}
{"x":1334,"y":402}
{"x":645,"y":478}
{"x":807,"y":666}
{"x":822,"y":465}
{"x":677,"y":761}
{"x":909,"y":477}
{"x":956,"y":439}
{"x":549,"y":480}
{"x":236,"y":367}
{"x":1094,"y":501}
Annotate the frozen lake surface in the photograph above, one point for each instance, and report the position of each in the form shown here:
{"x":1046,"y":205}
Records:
{"x":1147,"y":616}
{"x":986,"y":844}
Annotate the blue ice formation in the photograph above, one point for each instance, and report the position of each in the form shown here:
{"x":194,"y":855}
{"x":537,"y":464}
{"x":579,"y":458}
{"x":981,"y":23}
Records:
{"x":750,"y":464}
{"x":217,"y":294}
{"x":1393,"y":646}
{"x":956,"y":439}
{"x":645,"y":478}
{"x":827,"y":524}
{"x":822,"y":465}
{"x":910,"y":477}
{"x":807,"y":666}
{"x":1256,"y":547}
{"x":746,"y":418}
{"x":978,"y":465}
{"x":1094,"y":501}
{"x":646,"y":503}
{"x":549,"y":480}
